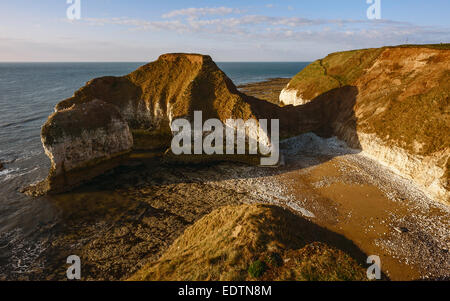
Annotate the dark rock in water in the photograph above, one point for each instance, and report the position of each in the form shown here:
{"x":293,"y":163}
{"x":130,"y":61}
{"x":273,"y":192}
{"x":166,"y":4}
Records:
{"x":1,"y":166}
{"x":268,"y":90}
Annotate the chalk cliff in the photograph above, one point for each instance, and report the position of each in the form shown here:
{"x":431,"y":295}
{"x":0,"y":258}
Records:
{"x":401,"y":107}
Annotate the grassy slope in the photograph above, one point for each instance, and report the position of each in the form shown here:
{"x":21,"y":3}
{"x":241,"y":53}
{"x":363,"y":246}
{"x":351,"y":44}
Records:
{"x":251,"y":242}
{"x":334,"y":71}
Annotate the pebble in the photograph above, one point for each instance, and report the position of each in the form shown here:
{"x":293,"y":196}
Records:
{"x":401,"y":229}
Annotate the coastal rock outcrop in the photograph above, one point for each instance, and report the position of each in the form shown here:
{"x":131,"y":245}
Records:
{"x":401,"y":108}
{"x":111,"y":116}
{"x":390,"y":102}
{"x":82,"y":141}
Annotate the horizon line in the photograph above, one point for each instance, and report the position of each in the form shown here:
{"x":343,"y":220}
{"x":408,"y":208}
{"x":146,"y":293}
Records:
{"x":65,"y":62}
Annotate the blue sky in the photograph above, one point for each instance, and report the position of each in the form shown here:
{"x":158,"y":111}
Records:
{"x":283,"y":30}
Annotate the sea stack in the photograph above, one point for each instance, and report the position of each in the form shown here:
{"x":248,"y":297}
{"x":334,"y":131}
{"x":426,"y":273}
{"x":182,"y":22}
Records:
{"x":82,"y":141}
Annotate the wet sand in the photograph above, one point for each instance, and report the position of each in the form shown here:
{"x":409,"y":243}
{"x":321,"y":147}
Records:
{"x":378,"y":224}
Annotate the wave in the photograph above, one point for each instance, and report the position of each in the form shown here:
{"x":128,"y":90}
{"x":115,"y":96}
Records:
{"x":11,"y":174}
{"x":8,"y":171}
{"x":21,"y":121}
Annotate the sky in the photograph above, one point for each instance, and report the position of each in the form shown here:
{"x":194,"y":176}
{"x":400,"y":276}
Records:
{"x":244,"y":30}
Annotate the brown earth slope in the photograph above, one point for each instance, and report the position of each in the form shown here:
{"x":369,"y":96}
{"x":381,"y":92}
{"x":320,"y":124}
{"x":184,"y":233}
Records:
{"x":401,"y":108}
{"x":251,"y":242}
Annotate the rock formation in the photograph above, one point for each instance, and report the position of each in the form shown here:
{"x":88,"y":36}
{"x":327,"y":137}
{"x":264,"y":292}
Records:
{"x":401,"y":107}
{"x":112,"y":116}
{"x":83,"y":140}
{"x":391,"y":102}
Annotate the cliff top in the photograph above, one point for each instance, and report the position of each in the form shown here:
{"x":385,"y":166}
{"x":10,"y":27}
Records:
{"x":249,"y":242}
{"x":192,"y":57}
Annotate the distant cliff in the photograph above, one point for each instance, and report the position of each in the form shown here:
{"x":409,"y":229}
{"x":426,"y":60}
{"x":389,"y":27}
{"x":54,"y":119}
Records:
{"x":401,"y":109}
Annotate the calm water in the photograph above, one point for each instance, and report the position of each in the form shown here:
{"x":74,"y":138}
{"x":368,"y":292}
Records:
{"x":242,"y":73}
{"x":28,"y":94}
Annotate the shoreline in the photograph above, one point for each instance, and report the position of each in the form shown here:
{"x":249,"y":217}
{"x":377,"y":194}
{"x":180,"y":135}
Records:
{"x":268,"y":90}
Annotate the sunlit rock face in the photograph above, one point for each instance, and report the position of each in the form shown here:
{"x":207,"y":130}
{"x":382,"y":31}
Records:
{"x":401,"y":107}
{"x":289,"y":97}
{"x":82,"y":141}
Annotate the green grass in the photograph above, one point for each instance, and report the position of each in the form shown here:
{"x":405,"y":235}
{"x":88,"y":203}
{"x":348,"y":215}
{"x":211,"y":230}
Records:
{"x":257,"y":269}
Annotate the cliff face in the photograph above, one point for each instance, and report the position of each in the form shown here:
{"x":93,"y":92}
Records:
{"x":83,"y":141}
{"x":401,"y":108}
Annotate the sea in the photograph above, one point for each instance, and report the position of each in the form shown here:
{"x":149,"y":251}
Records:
{"x":28,"y":95}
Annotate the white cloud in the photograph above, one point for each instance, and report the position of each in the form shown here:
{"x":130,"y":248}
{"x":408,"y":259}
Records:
{"x":202,"y":11}
{"x":258,"y":28}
